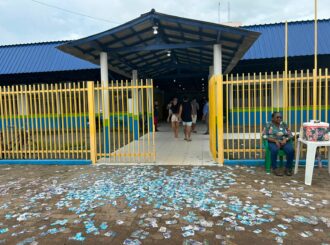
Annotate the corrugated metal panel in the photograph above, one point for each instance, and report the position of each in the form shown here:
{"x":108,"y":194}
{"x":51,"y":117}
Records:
{"x":45,"y":57}
{"x":39,"y":57}
{"x":270,"y":43}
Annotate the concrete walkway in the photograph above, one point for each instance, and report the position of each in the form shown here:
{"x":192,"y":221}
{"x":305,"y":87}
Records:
{"x":171,"y":151}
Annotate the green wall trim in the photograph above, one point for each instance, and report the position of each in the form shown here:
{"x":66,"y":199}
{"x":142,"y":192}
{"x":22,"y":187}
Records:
{"x":269,"y":109}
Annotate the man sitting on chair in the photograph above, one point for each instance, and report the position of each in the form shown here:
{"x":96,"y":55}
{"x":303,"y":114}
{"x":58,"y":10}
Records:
{"x":278,"y":134}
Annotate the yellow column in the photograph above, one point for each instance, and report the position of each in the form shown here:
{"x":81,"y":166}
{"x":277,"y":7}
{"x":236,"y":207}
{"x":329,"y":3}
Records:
{"x":91,"y":113}
{"x":285,"y":77}
{"x":219,"y":101}
{"x":217,"y":63}
{"x":315,"y":64}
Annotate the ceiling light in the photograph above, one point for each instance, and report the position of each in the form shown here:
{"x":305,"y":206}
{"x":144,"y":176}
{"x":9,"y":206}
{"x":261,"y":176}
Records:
{"x":179,"y":85}
{"x":203,"y":84}
{"x":155,"y":28}
{"x":202,"y":79}
{"x":174,"y":80}
{"x":183,"y":88}
{"x":169,"y":53}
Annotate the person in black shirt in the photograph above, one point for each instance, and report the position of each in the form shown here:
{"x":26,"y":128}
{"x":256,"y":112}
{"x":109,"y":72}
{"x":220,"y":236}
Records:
{"x":175,"y":118}
{"x":186,"y":115}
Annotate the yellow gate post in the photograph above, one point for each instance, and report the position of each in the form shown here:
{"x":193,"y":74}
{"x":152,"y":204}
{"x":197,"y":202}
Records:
{"x":219,"y":113}
{"x":91,"y":113}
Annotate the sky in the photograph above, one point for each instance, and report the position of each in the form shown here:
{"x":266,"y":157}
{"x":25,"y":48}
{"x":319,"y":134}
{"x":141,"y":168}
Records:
{"x":26,"y":21}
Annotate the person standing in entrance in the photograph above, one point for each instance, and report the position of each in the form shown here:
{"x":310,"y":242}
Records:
{"x":156,"y":114}
{"x":186,"y":115}
{"x":206,"y":115}
{"x":175,"y":118}
{"x":195,"y":108}
{"x":169,"y":105}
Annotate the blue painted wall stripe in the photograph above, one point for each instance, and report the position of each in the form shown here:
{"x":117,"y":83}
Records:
{"x":46,"y":162}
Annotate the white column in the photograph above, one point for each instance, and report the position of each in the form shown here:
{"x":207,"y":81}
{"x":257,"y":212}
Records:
{"x":277,"y":94}
{"x":105,"y":82}
{"x":97,"y":102}
{"x":211,"y":70}
{"x":217,"y":59}
{"x":231,"y":96}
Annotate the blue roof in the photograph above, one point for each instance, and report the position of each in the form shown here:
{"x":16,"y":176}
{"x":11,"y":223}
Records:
{"x":45,"y":57}
{"x":270,"y":43}
{"x":39,"y":57}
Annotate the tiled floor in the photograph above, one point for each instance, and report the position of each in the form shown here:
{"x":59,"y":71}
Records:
{"x":171,"y":151}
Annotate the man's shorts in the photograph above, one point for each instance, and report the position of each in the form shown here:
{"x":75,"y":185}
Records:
{"x":174,"y":118}
{"x":186,"y":123}
{"x":194,"y":119}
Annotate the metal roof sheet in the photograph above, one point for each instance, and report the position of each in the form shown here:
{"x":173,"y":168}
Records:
{"x":39,"y":57}
{"x":270,"y":44}
{"x":45,"y":57}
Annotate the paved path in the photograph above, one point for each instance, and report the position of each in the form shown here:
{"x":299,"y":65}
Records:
{"x":171,"y":151}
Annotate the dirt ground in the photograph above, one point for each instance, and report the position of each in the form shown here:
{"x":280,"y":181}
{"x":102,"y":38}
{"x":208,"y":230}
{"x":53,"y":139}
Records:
{"x":209,"y":205}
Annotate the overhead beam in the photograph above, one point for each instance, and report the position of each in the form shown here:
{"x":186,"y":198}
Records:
{"x":171,"y":76}
{"x":176,"y":66}
{"x":162,"y":46}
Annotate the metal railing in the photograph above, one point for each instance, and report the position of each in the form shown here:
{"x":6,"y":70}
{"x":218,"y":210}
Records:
{"x":74,"y":121}
{"x":240,"y":112}
{"x":126,"y":133}
{"x":44,"y":121}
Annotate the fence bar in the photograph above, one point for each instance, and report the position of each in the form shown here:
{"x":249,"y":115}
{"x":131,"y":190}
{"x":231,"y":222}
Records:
{"x":326,"y":95}
{"x":227,"y":114}
{"x":295,"y":103}
{"x":105,"y":125}
{"x":249,"y":111}
{"x":91,"y":112}
{"x":308,"y":98}
{"x":2,"y":138}
{"x":237,"y":114}
{"x":76,"y":131}
{"x":260,"y":109}
{"x":123,"y":116}
{"x":243,"y":116}
{"x":86,"y":109}
{"x":71,"y":119}
{"x":320,"y":95}
{"x":53,"y":112}
{"x":118,"y":120}
{"x":232,"y":112}
{"x":138,"y":119}
{"x":80,"y":122}
{"x":143,"y":120}
{"x":153,"y":125}
{"x":288,"y":106}
{"x":128,"y":119}
{"x":113,"y":121}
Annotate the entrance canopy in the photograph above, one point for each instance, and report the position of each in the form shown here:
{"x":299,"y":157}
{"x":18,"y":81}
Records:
{"x":162,"y":46}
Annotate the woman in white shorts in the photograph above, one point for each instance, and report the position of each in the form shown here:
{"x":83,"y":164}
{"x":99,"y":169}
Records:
{"x":175,"y":118}
{"x":186,"y":115}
